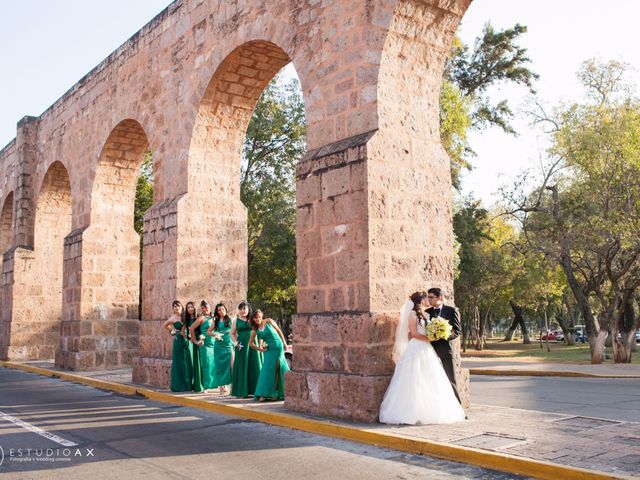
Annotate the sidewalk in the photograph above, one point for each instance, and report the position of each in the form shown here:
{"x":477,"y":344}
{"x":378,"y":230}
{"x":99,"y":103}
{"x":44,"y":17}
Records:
{"x":536,"y":444}
{"x":521,"y":367}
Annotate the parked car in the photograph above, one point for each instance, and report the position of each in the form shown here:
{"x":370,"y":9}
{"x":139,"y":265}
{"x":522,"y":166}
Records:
{"x":559,"y":335}
{"x":638,"y":336}
{"x":581,"y":337}
{"x":549,"y":336}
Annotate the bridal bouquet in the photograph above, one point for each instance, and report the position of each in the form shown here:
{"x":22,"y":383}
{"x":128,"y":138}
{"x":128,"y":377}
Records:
{"x":263,"y":344}
{"x":217,"y":336}
{"x":239,"y":346}
{"x":438,"y":329}
{"x":173,"y":331}
{"x":201,"y":340}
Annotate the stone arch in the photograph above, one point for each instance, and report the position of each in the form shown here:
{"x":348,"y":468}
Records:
{"x":6,"y":224}
{"x":114,"y":183}
{"x":102,"y":261}
{"x":52,"y":224}
{"x":214,"y":164}
{"x":6,"y":242}
{"x":225,"y":110}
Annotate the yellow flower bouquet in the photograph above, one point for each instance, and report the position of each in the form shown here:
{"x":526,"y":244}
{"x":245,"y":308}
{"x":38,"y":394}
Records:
{"x":438,"y":329}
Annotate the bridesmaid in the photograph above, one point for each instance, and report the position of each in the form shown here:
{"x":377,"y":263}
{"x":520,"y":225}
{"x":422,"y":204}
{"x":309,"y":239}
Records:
{"x":220,"y":330}
{"x":271,"y":381}
{"x":248,"y":362}
{"x":181,"y":358}
{"x":189,"y":318}
{"x":205,"y":342}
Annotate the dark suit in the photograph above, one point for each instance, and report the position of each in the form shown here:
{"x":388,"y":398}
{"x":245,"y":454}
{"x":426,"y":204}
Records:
{"x":442,"y":347}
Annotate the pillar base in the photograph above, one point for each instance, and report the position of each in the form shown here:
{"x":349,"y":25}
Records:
{"x":353,"y":397}
{"x":342,"y":365}
{"x":152,"y":362}
{"x":151,"y":371}
{"x":97,"y":344}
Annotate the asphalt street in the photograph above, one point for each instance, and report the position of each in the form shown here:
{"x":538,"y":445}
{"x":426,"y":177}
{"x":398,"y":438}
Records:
{"x":610,"y":398}
{"x":51,"y":429}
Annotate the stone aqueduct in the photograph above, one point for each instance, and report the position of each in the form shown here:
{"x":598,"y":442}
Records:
{"x":184,"y":87}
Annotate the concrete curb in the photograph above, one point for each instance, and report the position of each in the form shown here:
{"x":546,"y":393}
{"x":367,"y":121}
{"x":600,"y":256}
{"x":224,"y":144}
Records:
{"x":471,"y":456}
{"x":542,"y":373}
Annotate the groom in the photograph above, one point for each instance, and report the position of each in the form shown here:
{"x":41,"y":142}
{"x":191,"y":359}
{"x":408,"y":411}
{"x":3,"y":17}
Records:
{"x":442,"y":347}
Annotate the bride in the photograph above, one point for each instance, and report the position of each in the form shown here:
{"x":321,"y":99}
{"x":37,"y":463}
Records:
{"x":419,"y":392}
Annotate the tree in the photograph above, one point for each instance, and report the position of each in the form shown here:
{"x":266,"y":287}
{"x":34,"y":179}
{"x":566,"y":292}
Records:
{"x":142,"y":203}
{"x":144,"y":193}
{"x":469,"y":75}
{"x":585,"y":213}
{"x":482,"y":282}
{"x":275,"y":141}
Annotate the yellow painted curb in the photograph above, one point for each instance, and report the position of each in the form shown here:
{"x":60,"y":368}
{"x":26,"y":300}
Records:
{"x":542,"y":373}
{"x":456,"y":453}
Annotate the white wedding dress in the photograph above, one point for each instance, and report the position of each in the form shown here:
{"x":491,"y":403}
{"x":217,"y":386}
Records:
{"x":419,"y":392}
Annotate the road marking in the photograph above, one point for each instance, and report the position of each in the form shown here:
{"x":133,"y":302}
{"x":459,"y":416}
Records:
{"x":32,"y":428}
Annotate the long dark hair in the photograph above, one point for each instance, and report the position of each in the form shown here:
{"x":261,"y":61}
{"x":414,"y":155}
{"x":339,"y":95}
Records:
{"x":252,"y":321}
{"x":245,"y":304}
{"x":176,"y":303}
{"x":204,"y":303}
{"x":189,"y":319}
{"x":226,"y":318}
{"x":417,"y":298}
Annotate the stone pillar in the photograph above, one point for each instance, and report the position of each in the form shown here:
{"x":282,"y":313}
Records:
{"x":152,"y":363}
{"x":24,"y":201}
{"x":19,"y":341}
{"x":100,"y":307}
{"x":195,"y":248}
{"x":341,"y":362}
{"x":370,"y":230}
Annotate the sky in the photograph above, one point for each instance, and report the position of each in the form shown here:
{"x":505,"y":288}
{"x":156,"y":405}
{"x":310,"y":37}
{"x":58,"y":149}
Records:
{"x":46,"y":46}
{"x":561,"y":34}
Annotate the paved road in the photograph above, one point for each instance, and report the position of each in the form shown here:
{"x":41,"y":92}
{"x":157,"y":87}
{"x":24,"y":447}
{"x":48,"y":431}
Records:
{"x":129,"y":438}
{"x":610,"y":398}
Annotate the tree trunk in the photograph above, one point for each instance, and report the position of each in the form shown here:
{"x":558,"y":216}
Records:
{"x":477,"y":323}
{"x":624,"y":326}
{"x":622,"y":347}
{"x":596,"y":346}
{"x":518,"y":319}
{"x":595,"y":335}
{"x":510,"y":331}
{"x":609,"y":341}
{"x":546,"y":327}
{"x":567,"y":324}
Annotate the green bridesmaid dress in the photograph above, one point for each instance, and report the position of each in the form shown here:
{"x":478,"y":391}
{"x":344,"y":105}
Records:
{"x":271,"y":380}
{"x":247,"y":363}
{"x":207,"y":357}
{"x":196,"y":379}
{"x":181,"y":361}
{"x":223,"y":351}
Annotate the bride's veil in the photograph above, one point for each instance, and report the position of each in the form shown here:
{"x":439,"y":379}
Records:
{"x":402,"y":331}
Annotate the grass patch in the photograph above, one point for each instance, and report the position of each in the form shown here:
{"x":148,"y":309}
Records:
{"x":560,"y":353}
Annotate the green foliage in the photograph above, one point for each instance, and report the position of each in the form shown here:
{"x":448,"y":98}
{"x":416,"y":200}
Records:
{"x":144,"y":193}
{"x":275,"y":141}
{"x":464,"y":100}
{"x":455,"y":122}
{"x":495,"y":58}
{"x":142,"y":203}
{"x":585,"y":214}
